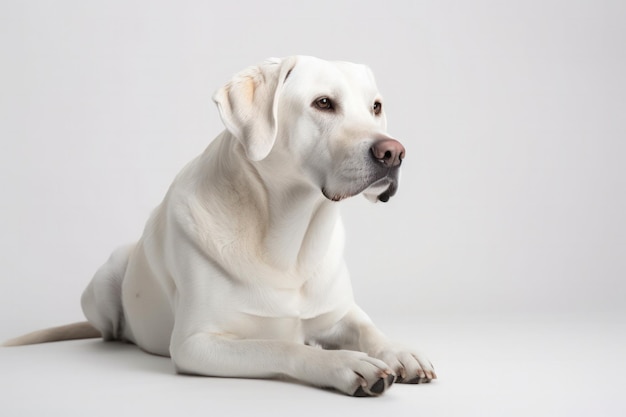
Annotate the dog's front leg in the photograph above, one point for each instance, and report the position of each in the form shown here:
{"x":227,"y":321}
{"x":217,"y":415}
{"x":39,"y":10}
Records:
{"x":211,"y":354}
{"x":356,"y":331}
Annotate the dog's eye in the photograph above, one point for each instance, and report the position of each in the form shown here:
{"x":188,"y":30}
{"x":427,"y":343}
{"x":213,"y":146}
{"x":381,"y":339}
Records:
{"x":377,"y":107}
{"x":324,"y":103}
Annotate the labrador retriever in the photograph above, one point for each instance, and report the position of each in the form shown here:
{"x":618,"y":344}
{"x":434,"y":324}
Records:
{"x":240,"y":270}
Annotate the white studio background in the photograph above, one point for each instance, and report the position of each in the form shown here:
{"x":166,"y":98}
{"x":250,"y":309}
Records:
{"x":513,"y":114}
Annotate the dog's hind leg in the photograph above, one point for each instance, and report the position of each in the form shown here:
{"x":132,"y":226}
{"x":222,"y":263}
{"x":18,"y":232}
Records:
{"x":102,"y":299}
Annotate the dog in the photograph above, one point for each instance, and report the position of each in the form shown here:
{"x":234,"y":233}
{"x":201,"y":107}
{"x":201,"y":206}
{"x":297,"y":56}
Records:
{"x":240,"y":270}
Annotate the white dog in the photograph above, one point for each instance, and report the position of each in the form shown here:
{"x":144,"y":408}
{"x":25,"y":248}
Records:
{"x":240,"y":270}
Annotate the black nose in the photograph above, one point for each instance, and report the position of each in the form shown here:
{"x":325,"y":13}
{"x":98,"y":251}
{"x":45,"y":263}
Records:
{"x":389,"y":152}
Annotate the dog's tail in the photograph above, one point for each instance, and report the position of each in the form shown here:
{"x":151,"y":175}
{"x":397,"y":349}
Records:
{"x":82,"y":330}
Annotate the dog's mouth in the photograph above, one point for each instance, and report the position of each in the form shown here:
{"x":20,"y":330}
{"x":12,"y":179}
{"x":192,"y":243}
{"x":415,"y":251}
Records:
{"x":380,"y":189}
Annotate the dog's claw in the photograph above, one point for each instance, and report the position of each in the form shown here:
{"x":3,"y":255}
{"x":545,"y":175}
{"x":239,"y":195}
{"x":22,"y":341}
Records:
{"x":418,"y":380}
{"x":378,"y":387}
{"x":360,"y":392}
{"x":415,"y":380}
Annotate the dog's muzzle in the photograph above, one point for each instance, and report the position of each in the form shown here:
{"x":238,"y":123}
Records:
{"x":388,"y":155}
{"x":383,"y":172}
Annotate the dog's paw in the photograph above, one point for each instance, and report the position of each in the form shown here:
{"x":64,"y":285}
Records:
{"x":353,"y":373}
{"x":409,"y":367}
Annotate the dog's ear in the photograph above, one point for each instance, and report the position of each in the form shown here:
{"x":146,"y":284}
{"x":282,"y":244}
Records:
{"x":248,"y":105}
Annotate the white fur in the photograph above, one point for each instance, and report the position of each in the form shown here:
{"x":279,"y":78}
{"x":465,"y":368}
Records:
{"x":240,"y":270}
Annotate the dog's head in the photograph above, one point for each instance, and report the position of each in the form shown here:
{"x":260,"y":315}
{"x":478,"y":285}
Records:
{"x":323,"y":119}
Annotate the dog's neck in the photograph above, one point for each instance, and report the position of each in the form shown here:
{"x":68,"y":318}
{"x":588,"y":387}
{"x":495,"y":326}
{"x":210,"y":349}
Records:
{"x":302,"y":223}
{"x":286,"y":216}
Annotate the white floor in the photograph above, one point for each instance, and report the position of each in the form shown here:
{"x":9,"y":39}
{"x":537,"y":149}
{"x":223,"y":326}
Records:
{"x":505,"y":366}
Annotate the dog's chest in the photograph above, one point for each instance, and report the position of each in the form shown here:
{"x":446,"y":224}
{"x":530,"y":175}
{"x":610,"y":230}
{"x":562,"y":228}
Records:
{"x":273,"y":303}
{"x":281,"y":314}
{"x":266,"y":315}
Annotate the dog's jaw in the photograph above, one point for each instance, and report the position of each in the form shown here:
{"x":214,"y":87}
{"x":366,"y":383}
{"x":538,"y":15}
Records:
{"x":381,"y":189}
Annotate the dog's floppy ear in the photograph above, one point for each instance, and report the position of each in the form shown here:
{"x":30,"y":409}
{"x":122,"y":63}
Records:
{"x":248,"y":105}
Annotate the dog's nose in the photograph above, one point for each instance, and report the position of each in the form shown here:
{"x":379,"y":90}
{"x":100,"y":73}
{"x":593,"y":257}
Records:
{"x":388,"y":151}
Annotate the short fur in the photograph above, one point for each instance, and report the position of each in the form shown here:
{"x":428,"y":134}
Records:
{"x":240,"y":270}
